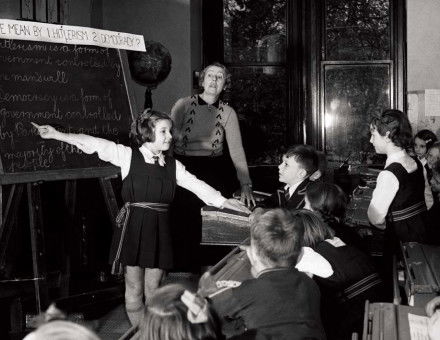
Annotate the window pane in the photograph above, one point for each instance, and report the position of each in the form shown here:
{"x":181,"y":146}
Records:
{"x":254,"y":31}
{"x":353,"y":94}
{"x":258,"y":95}
{"x":357,"y":30}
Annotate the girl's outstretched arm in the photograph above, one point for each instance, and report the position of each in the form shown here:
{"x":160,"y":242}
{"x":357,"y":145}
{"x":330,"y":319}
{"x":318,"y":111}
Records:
{"x":48,"y":132}
{"x":117,"y":154}
{"x":83,"y":142}
{"x":205,"y":192}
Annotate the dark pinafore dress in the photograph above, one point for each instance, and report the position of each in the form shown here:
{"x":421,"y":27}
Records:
{"x":146,"y":241}
{"x":406,"y":219}
{"x":355,"y":280}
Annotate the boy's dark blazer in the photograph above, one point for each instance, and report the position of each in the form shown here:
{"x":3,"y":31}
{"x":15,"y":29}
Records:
{"x":296,"y":200}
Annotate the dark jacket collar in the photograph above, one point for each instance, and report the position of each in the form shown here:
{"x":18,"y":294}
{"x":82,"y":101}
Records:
{"x":275,"y":269}
{"x":200,"y":101}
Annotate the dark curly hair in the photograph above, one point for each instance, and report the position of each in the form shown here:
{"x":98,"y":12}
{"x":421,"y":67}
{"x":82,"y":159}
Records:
{"x":142,"y":129}
{"x":165,"y":318}
{"x":397,"y":124}
{"x":427,"y":136}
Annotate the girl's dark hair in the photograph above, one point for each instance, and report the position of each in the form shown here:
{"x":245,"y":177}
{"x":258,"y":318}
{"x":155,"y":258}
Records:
{"x":328,"y":199}
{"x":315,"y":230}
{"x":436,"y":168}
{"x":397,"y":124}
{"x":225,"y":70}
{"x":142,"y":129}
{"x":165,"y":318}
{"x":428,"y":136}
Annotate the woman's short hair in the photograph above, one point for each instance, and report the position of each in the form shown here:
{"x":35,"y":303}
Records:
{"x":427,"y":136}
{"x":142,"y":129}
{"x":397,"y":124}
{"x":315,"y":230}
{"x":165,"y":318}
{"x":225,"y":71}
{"x":328,"y":199}
{"x":62,"y":330}
{"x":276,"y":235}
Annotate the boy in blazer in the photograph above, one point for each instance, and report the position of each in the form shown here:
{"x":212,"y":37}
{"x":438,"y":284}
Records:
{"x":299,"y":166}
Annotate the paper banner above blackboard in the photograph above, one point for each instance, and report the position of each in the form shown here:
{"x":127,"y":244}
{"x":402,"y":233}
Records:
{"x":72,"y":35}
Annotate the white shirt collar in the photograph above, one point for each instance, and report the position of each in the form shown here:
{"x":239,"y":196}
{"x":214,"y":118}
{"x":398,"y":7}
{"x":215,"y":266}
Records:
{"x":335,"y":242}
{"x":292,"y":188}
{"x":148,"y":156}
{"x":397,"y":156}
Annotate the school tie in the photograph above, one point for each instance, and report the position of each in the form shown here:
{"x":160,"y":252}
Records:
{"x":155,"y":159}
{"x":286,"y":194}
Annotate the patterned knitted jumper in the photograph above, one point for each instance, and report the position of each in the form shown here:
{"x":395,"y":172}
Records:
{"x":201,"y":129}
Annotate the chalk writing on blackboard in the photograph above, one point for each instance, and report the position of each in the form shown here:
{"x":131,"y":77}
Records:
{"x":78,"y":89}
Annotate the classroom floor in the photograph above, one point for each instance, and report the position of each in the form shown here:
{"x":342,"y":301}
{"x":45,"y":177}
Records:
{"x":115,"y":323}
{"x":96,"y":299}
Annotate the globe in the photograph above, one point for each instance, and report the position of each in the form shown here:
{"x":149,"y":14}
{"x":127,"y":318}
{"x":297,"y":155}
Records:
{"x":151,"y":67}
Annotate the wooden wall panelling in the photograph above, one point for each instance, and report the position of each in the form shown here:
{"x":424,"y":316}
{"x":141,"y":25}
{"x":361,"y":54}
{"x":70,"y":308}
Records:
{"x":27,"y":9}
{"x":52,"y":11}
{"x":64,"y":11}
{"x":41,"y":10}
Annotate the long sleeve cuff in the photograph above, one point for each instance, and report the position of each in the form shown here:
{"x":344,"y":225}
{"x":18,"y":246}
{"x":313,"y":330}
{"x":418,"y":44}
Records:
{"x":313,"y":263}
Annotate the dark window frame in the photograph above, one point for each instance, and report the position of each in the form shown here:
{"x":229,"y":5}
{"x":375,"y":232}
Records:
{"x":305,"y":62}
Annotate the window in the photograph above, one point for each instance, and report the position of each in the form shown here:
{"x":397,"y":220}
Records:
{"x":254,"y":45}
{"x":311,"y":71}
{"x":357,"y":75}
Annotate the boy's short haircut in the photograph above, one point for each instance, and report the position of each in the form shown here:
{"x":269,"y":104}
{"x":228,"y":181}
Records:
{"x":277,"y":235}
{"x":305,"y":155}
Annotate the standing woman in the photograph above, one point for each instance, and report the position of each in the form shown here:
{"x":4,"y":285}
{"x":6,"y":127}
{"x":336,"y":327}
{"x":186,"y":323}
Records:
{"x":206,"y":128}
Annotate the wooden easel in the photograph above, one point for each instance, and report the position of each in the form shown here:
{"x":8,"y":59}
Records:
{"x":34,"y":204}
{"x":26,"y":182}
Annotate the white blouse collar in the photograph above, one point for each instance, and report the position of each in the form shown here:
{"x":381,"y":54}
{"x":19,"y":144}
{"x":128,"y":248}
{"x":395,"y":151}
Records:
{"x":148,"y":156}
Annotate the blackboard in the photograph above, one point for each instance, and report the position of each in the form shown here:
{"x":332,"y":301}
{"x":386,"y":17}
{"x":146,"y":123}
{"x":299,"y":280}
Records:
{"x":78,"y":89}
